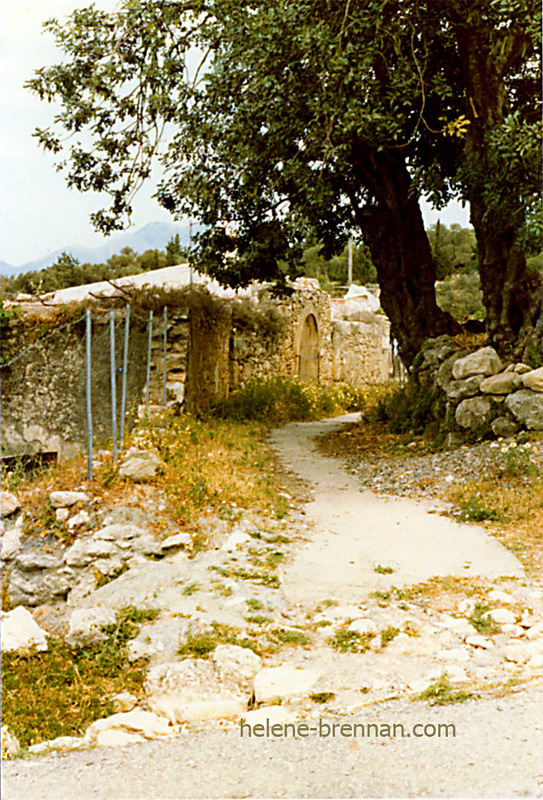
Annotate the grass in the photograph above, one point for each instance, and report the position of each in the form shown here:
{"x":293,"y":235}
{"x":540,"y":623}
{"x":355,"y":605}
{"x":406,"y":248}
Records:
{"x":200,"y":645}
{"x":483,"y":624}
{"x":322,"y":697}
{"x":388,"y":634}
{"x":295,"y":638}
{"x":383,"y":570}
{"x":350,"y":641}
{"x":61,"y":691}
{"x":281,"y":400}
{"x":442,"y":693}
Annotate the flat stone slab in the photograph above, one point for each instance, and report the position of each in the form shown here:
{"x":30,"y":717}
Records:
{"x":357,"y":530}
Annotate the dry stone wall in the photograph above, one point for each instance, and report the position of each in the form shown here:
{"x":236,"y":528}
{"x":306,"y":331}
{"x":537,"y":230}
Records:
{"x":484,"y":394}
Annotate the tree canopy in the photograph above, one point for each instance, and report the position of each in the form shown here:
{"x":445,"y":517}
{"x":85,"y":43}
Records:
{"x":316,"y":115}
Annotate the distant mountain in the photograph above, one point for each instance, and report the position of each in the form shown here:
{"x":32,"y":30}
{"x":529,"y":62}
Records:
{"x":7,"y":269}
{"x":153,"y":236}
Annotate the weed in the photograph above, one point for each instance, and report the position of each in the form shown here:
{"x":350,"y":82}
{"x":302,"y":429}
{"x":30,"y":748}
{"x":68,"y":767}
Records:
{"x":274,"y":559}
{"x":190,"y":589}
{"x":254,"y":604}
{"x":200,"y":645}
{"x":322,"y":697}
{"x":297,"y":638}
{"x":481,"y":622}
{"x":383,"y":570}
{"x":514,"y":460}
{"x":258,"y":620}
{"x":281,"y":400}
{"x":388,"y":634}
{"x":442,"y":693}
{"x":475,"y":509}
{"x":61,"y":691}
{"x":103,"y":580}
{"x":350,"y":641}
{"x":379,"y":595}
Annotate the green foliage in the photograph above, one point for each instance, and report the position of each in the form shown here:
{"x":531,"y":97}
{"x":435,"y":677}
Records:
{"x":453,"y":248}
{"x":409,"y":409}
{"x":460,"y":294}
{"x":357,"y":112}
{"x":322,"y":697}
{"x":68,"y":271}
{"x":296,"y":638}
{"x":335,"y":269}
{"x":474,"y":509}
{"x":511,"y":459}
{"x":200,"y":645}
{"x":442,"y":693}
{"x":61,"y":691}
{"x":347,"y":641}
{"x":480,"y":620}
{"x":388,"y":634}
{"x":281,"y":400}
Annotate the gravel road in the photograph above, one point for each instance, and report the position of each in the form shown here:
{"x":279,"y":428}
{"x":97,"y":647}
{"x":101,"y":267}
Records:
{"x":497,"y":752}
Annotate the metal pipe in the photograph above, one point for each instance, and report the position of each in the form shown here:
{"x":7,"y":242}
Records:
{"x":164,"y":370}
{"x":150,"y":338}
{"x":113,"y":383}
{"x":89,"y":398}
{"x":125,"y":371}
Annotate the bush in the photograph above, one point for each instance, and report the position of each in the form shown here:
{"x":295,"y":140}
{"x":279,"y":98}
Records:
{"x":280,"y":400}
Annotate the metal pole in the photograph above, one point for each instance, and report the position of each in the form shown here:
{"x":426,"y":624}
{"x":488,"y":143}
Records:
{"x":125,"y":370}
{"x":164,"y":356}
{"x":113,"y":383}
{"x":89,"y":398}
{"x":150,"y":326}
{"x":350,"y":263}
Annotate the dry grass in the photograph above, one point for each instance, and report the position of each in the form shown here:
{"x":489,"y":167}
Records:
{"x":519,"y":515}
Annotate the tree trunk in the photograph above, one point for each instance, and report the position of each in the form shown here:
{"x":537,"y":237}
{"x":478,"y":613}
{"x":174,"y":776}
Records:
{"x":511,"y":295}
{"x":394,"y":231}
{"x":208,"y":369}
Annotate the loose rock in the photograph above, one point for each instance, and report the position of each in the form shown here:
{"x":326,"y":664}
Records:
{"x":20,"y":631}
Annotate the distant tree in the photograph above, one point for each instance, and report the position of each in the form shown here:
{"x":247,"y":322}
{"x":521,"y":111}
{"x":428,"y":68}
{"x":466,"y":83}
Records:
{"x":174,"y":251}
{"x":453,"y":248}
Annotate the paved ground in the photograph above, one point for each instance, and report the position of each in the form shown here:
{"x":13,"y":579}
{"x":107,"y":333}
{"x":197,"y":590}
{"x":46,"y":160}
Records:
{"x":497,"y":752}
{"x":358,"y":530}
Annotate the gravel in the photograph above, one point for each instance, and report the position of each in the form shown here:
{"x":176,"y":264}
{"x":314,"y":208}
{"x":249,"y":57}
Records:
{"x":429,"y":474}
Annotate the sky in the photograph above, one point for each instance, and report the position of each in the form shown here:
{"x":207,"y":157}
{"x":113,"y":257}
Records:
{"x":38,"y":213}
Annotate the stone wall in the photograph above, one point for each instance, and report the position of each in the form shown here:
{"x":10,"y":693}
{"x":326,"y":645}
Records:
{"x":484,"y":394}
{"x":44,"y":391}
{"x":303,"y":335}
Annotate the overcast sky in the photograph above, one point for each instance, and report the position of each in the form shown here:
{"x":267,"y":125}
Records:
{"x":38,"y":214}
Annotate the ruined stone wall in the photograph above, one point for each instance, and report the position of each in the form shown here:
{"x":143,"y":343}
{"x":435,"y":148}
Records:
{"x":44,"y":390}
{"x":361,"y":350}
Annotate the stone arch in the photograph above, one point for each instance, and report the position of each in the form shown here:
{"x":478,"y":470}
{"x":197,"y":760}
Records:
{"x":308,"y":347}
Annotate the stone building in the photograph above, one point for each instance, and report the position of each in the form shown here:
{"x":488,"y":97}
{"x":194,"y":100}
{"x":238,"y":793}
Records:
{"x":241,"y":336}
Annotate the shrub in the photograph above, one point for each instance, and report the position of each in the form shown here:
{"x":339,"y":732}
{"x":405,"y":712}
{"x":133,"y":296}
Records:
{"x":281,"y":400}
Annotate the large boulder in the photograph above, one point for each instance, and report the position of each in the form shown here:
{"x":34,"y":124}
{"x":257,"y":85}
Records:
{"x":503,"y":427}
{"x":8,"y":504}
{"x":483,"y":362}
{"x":527,"y":408}
{"x":20,"y":631}
{"x":85,"y":550}
{"x":272,"y":683}
{"x":86,"y":625}
{"x":128,"y":728}
{"x":140,"y":465}
{"x":67,"y":499}
{"x":533,"y":380}
{"x":474,"y":412}
{"x":236,"y":666}
{"x":191,"y":690}
{"x":459,"y":390}
{"x":503,"y":383}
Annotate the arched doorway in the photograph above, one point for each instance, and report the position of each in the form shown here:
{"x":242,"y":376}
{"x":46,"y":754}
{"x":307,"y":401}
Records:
{"x":308,"y":352}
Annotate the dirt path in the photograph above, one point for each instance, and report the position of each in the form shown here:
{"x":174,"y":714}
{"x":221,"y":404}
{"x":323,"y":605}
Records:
{"x":358,"y":531}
